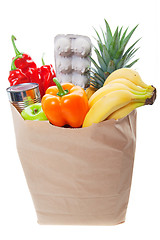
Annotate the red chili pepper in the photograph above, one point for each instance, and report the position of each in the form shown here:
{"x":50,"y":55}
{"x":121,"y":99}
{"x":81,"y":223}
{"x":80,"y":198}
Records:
{"x":23,"y":61}
{"x":23,"y":70}
{"x":34,"y":75}
{"x":47,"y":75}
{"x":43,"y":76}
{"x":16,"y":76}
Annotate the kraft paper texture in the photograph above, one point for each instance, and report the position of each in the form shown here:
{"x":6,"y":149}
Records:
{"x":78,"y":176}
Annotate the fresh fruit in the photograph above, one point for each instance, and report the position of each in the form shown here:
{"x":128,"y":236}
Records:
{"x":124,"y":111}
{"x":34,"y":112}
{"x":129,"y":74}
{"x":110,"y":88}
{"x":128,"y":83}
{"x":112,"y":102}
{"x":90,"y":91}
{"x":121,"y":79}
{"x":111,"y":54}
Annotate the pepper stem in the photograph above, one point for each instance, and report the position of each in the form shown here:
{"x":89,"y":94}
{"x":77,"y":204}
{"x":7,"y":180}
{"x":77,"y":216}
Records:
{"x":13,"y":38}
{"x":13,"y":66}
{"x":43,"y":63}
{"x":61,"y":92}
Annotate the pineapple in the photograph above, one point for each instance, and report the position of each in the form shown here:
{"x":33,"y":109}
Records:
{"x":111,"y":54}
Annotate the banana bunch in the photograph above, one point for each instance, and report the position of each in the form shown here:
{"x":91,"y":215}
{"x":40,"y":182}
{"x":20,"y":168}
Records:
{"x":122,"y":92}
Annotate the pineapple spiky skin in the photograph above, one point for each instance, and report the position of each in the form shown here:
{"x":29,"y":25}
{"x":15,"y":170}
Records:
{"x":111,"y":54}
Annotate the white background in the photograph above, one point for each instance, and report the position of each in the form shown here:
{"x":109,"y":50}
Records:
{"x":35,"y":23}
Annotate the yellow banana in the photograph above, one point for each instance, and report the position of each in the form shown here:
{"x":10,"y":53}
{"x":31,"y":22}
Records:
{"x":129,"y":84}
{"x":124,"y":111}
{"x":129,"y":74}
{"x":107,"y":89}
{"x":110,"y":103}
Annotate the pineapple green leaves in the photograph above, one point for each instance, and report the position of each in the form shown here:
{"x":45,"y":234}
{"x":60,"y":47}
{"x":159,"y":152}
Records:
{"x":111,"y":54}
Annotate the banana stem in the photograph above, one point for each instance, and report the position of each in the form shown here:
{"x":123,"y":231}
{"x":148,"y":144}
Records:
{"x":147,"y":98}
{"x":142,"y":98}
{"x":150,"y":101}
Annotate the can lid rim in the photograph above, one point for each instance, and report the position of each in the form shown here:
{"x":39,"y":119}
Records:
{"x":19,"y":87}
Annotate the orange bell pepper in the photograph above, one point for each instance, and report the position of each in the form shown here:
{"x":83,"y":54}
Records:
{"x":65,"y":104}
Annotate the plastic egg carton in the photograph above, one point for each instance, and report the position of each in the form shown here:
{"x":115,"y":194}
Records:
{"x":72,"y":61}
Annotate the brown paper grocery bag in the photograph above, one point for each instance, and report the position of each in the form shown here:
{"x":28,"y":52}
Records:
{"x":78,"y":176}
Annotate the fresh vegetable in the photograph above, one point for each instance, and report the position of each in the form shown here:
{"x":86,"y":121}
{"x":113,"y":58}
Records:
{"x":16,"y":76}
{"x":47,"y":75}
{"x":119,"y":97}
{"x":23,"y":61}
{"x":24,"y":70}
{"x":111,"y":54}
{"x":65,"y":104}
{"x":43,"y":76}
{"x":34,"y":112}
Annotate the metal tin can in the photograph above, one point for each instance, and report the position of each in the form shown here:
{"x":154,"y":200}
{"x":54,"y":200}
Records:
{"x":23,"y":95}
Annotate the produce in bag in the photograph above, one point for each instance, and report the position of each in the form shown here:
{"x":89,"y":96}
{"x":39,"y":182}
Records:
{"x":65,"y":104}
{"x":111,"y":54}
{"x":24,"y":70}
{"x":34,"y":112}
{"x":82,"y":176}
{"x":119,"y":96}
